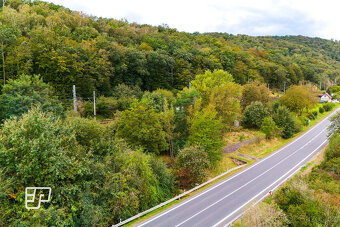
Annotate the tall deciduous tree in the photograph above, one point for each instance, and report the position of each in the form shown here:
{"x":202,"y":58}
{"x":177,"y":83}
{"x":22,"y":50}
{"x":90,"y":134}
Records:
{"x":254,"y":92}
{"x":8,"y":35}
{"x":299,"y":98}
{"x":142,"y":127}
{"x":21,"y":94}
{"x":205,"y":83}
{"x":226,"y":100}
{"x":205,"y":131}
{"x":254,"y":114}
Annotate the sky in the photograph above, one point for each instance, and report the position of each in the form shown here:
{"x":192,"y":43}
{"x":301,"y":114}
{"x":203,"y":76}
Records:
{"x":313,"y":18}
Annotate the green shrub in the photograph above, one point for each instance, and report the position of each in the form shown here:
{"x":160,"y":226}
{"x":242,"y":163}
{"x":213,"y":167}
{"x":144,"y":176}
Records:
{"x":333,"y":150}
{"x":142,"y":127}
{"x":254,"y":114}
{"x":191,"y":164}
{"x":283,"y":119}
{"x":321,"y":110}
{"x":311,"y":116}
{"x":18,"y":96}
{"x":206,"y":131}
{"x":298,"y":125}
{"x":269,"y":127}
{"x":106,"y":106}
{"x":303,"y":120}
{"x":89,"y":171}
{"x":328,"y":106}
{"x":315,"y":113}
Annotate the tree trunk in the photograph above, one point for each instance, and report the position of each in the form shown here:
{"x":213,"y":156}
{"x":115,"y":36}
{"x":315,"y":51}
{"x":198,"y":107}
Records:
{"x":3,"y":61}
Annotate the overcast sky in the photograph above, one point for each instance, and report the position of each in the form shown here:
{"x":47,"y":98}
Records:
{"x":314,"y":18}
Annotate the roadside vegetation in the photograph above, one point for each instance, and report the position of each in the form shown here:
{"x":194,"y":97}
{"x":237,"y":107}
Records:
{"x":305,"y":200}
{"x":154,"y":135}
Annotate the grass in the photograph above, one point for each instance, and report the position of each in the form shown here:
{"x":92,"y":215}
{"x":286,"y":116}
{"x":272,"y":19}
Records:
{"x":261,"y":148}
{"x":225,"y":164}
{"x":240,"y":135}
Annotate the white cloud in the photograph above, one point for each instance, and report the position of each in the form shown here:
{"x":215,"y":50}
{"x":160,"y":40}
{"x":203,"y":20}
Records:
{"x":260,"y":17}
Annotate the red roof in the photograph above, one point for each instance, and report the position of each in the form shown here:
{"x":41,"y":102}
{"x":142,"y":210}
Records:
{"x":320,"y":95}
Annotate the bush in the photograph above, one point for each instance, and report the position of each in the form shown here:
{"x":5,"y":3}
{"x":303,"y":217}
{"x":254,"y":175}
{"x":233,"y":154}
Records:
{"x":18,"y":96}
{"x":328,"y":106}
{"x":106,"y":106}
{"x":315,"y":113}
{"x":321,"y":110}
{"x":285,"y":122}
{"x":298,"y":125}
{"x":192,"y":164}
{"x":254,"y":114}
{"x":311,"y":116}
{"x":142,"y":127}
{"x":264,"y":214}
{"x":300,"y":204}
{"x":206,"y":131}
{"x":269,"y":127}
{"x":157,"y":99}
{"x":333,"y":150}
{"x":123,"y":91}
{"x":303,"y":120}
{"x":89,"y":171}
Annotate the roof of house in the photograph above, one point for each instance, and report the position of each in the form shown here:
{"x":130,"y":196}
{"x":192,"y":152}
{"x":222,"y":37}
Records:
{"x":320,"y":95}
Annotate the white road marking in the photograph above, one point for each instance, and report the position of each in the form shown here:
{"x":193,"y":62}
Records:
{"x":269,"y":186}
{"x":250,"y":181}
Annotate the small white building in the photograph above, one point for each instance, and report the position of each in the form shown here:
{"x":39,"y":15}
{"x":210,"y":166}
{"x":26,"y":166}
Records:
{"x":325,"y":97}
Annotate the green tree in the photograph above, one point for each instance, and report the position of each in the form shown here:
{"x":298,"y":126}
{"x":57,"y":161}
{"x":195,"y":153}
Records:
{"x":37,"y":150}
{"x":7,"y":36}
{"x":226,"y":100}
{"x":298,"y":98}
{"x":284,"y":121}
{"x":269,"y":127}
{"x":157,"y":99}
{"x":205,"y":83}
{"x":205,"y":131}
{"x":18,"y":96}
{"x":142,"y":127}
{"x":254,"y":115}
{"x":254,"y":92}
{"x":192,"y":164}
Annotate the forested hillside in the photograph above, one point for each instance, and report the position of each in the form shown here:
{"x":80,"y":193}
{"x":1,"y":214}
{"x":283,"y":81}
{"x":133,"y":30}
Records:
{"x":67,"y":47}
{"x":153,"y":136}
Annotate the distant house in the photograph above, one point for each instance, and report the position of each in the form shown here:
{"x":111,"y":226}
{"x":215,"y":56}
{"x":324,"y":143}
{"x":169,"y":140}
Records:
{"x":325,"y":97}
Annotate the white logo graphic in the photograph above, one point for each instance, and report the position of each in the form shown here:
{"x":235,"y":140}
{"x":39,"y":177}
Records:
{"x":42,"y":197}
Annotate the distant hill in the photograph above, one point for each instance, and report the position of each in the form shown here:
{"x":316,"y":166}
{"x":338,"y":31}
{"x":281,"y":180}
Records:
{"x":67,"y":47}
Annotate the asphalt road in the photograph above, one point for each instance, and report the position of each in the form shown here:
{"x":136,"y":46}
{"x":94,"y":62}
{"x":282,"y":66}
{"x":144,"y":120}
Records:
{"x":220,"y":204}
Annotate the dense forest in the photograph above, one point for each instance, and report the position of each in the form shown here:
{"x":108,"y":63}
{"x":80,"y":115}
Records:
{"x":169,"y":98}
{"x":67,"y":47}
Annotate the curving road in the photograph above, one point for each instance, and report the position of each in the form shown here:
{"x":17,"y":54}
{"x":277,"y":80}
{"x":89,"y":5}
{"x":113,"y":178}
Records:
{"x":222,"y":203}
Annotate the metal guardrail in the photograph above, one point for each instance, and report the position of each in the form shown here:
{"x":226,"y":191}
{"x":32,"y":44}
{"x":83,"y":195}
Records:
{"x":176,"y":197}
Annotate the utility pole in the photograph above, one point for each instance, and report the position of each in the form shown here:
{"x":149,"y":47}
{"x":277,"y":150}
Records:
{"x":74,"y":99}
{"x":94,"y":104}
{"x":284,"y":87}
